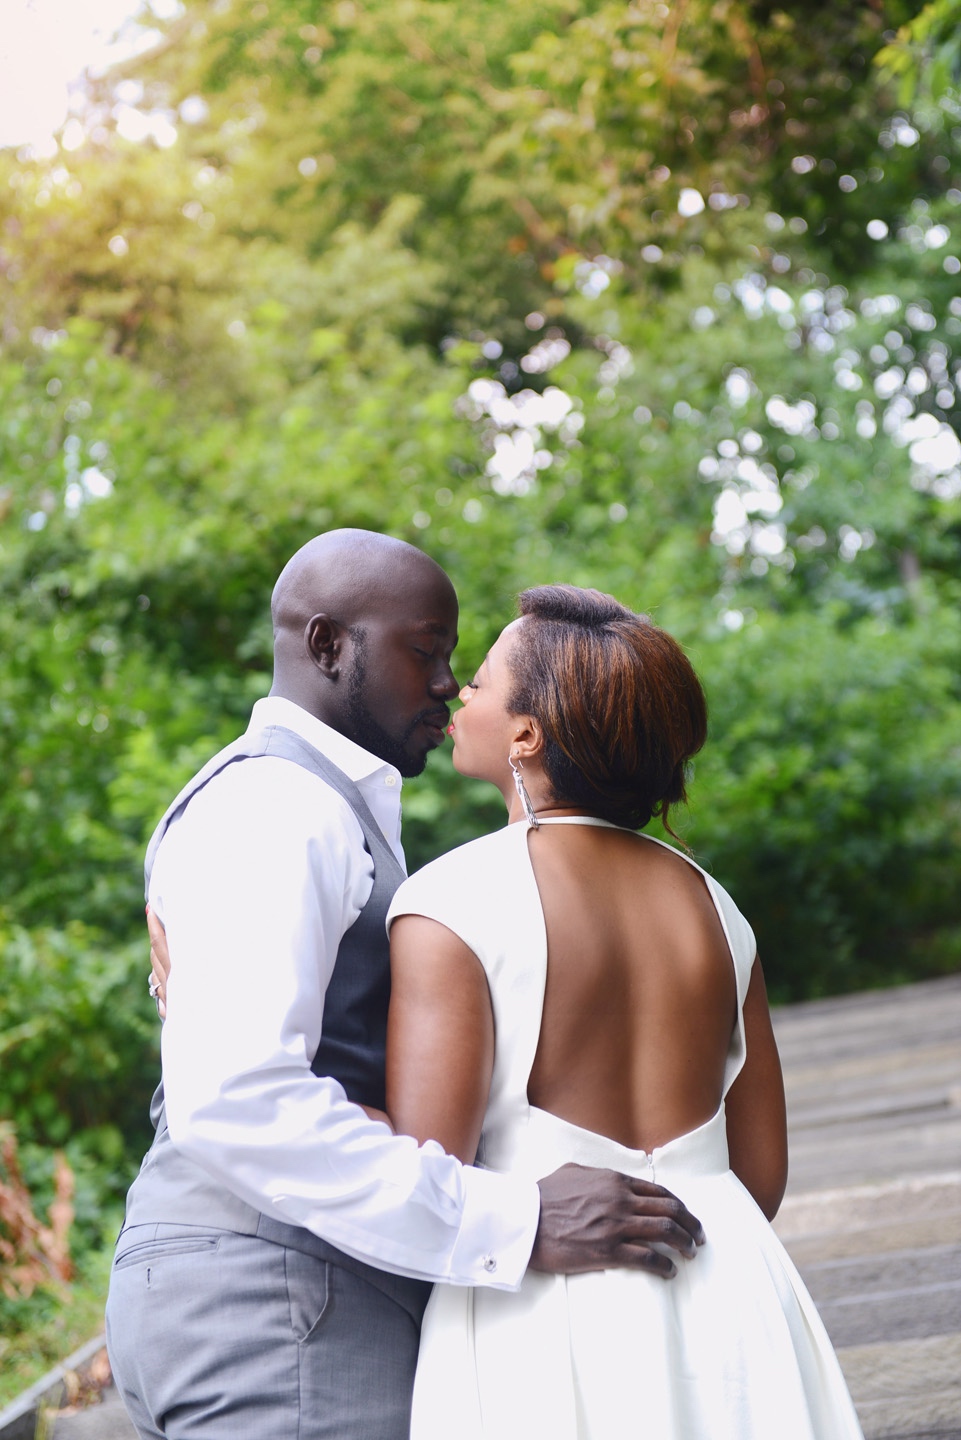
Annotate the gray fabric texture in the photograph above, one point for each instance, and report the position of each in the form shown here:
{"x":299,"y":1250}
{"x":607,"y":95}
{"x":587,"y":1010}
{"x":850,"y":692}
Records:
{"x":218,"y":1336}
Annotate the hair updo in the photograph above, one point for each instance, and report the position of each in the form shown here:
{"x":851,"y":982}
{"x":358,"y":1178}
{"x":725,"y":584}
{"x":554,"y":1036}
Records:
{"x":620,"y":705}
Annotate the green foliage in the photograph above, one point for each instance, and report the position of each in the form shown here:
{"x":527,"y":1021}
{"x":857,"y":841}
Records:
{"x":841,"y":745}
{"x":926,"y":55}
{"x":661,"y":299}
{"x":79,"y":1041}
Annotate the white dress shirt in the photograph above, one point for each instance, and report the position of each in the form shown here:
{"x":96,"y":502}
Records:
{"x":257,"y":882}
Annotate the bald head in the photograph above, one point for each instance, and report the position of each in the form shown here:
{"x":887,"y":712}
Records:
{"x":346,"y":573}
{"x":345,"y":597}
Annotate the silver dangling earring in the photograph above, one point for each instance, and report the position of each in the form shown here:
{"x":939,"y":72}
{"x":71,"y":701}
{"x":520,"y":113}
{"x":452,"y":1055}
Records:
{"x":516,"y":770}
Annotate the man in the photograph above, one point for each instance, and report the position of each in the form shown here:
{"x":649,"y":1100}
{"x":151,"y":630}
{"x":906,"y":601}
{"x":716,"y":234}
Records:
{"x":270,"y":1278}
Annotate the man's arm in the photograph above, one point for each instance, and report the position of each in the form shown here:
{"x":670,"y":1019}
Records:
{"x":251,"y":884}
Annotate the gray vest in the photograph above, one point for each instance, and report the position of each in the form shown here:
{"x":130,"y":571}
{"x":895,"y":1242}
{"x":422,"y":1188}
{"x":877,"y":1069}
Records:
{"x":170,"y":1188}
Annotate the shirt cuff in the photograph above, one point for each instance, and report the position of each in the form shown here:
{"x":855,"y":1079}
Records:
{"x":494,"y":1253}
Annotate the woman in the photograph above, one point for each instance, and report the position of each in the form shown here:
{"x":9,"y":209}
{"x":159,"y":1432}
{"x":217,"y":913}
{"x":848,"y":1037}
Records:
{"x":568,"y":990}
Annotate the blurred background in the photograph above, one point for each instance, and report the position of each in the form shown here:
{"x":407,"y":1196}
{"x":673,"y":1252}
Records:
{"x":663,"y":299}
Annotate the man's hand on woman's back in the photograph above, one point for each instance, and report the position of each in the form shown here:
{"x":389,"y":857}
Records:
{"x":601,"y":1220}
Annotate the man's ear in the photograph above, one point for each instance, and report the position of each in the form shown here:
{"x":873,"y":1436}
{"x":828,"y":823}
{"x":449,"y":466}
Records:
{"x":322,"y":641}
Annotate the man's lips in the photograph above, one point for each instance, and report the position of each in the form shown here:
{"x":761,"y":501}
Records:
{"x":437,"y":724}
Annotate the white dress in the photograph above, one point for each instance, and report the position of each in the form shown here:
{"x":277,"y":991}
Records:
{"x":731,"y":1348}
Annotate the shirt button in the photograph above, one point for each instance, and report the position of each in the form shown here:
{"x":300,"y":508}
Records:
{"x":390,"y":780}
{"x":490,"y":1264}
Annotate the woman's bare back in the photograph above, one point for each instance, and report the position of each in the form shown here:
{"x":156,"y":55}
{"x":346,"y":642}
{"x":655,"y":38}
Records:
{"x":640,"y":1000}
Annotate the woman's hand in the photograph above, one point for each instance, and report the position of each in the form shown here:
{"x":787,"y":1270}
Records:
{"x":373,"y":1113}
{"x":159,"y":963}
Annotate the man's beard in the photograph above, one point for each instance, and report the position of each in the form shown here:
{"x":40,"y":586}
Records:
{"x":367,"y":732}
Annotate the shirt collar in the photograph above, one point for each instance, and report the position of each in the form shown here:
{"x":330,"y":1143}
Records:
{"x":358,"y":764}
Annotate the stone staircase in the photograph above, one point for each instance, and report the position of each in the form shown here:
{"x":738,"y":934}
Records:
{"x":872,"y":1216}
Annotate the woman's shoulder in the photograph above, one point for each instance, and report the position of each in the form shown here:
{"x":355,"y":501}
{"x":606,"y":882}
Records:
{"x":468,"y":868}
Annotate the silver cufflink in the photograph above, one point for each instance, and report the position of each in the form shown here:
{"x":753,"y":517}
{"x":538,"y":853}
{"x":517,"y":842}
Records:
{"x":490,"y":1264}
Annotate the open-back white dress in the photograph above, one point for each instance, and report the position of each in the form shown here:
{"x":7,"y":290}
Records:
{"x":731,"y":1348}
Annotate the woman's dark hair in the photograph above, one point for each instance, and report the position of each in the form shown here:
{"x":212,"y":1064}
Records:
{"x":621,"y":707}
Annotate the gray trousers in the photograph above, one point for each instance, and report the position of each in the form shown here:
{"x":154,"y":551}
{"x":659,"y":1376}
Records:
{"x":218,"y":1336}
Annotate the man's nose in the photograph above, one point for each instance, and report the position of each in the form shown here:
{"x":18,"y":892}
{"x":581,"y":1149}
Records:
{"x":443,"y":683}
